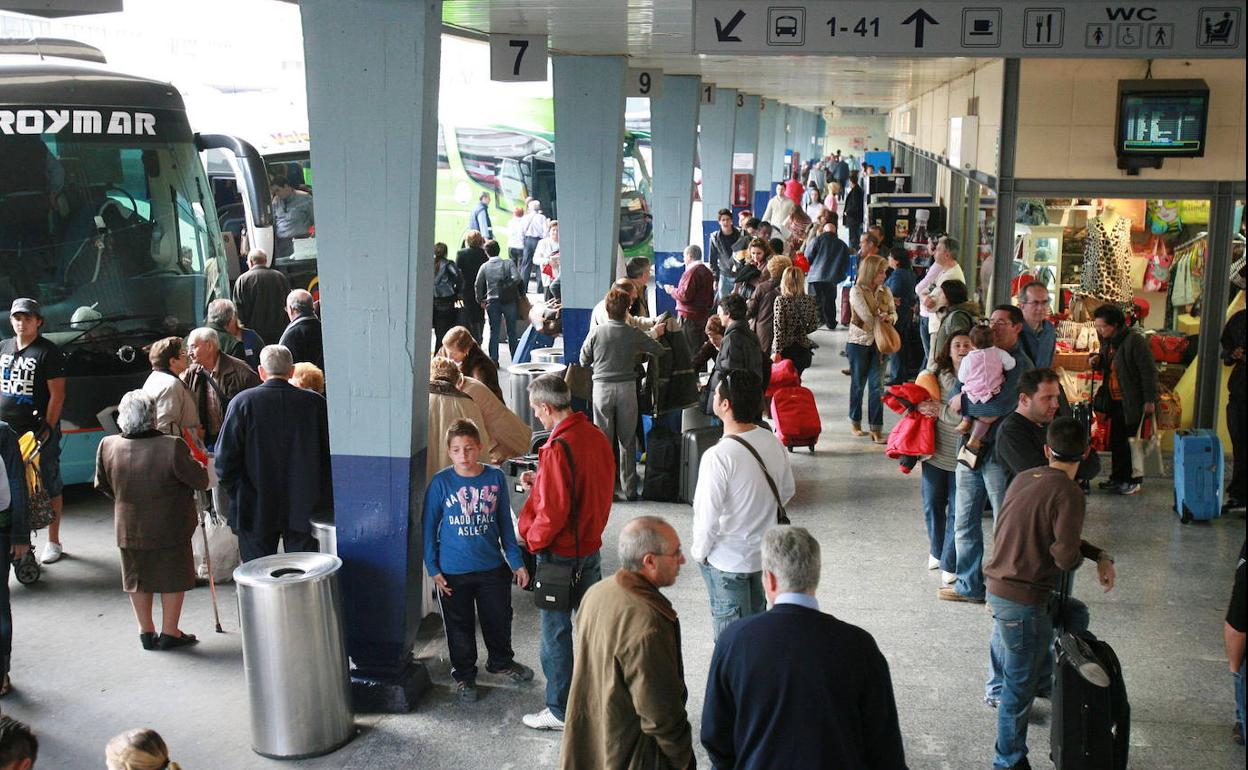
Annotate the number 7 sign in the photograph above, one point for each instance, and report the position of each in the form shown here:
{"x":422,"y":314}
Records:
{"x":517,"y":58}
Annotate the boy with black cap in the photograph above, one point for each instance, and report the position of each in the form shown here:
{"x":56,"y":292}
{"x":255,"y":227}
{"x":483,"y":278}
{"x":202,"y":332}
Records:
{"x":1038,"y":535}
{"x":32,"y":393}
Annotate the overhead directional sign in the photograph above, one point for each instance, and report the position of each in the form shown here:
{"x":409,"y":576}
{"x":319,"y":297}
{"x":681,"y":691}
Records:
{"x":1004,"y":28}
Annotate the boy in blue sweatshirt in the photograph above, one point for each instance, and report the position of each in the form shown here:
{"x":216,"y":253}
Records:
{"x":471,"y":554}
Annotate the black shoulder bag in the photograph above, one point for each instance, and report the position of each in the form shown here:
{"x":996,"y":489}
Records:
{"x":555,"y":585}
{"x":782,"y":516}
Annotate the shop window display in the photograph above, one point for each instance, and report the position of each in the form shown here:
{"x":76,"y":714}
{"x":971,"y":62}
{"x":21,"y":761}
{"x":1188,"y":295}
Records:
{"x":1145,"y":256}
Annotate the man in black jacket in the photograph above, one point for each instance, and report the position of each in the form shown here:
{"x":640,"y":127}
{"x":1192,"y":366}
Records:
{"x":855,"y":208}
{"x":829,"y":264}
{"x":260,"y":294}
{"x":469,"y":261}
{"x":758,"y":710}
{"x":273,"y":459}
{"x":1021,"y":434}
{"x":740,"y":348}
{"x":720,"y":259}
{"x":303,"y":336}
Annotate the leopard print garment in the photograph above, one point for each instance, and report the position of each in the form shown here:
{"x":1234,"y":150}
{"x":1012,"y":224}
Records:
{"x":1107,"y":261}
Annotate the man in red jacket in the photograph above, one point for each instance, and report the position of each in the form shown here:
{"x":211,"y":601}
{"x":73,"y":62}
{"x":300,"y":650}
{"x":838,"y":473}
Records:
{"x":575,"y":475}
{"x":695,"y":296}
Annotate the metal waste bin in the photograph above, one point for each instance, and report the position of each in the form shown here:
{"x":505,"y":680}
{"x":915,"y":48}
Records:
{"x":295,"y":654}
{"x":547,"y":356}
{"x":521,"y":376}
{"x":326,"y":535}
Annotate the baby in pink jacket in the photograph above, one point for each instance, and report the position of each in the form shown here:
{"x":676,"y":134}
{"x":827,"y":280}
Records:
{"x":982,"y":373}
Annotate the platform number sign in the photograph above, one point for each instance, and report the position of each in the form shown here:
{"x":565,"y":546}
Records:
{"x":645,"y":83}
{"x":517,"y":58}
{"x":707,"y":93}
{"x":740,"y":100}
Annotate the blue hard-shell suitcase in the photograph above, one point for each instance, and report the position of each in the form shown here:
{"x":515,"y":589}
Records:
{"x":1198,"y":475}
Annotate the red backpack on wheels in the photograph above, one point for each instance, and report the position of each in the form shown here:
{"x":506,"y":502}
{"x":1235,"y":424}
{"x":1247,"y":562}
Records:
{"x":795,"y":417}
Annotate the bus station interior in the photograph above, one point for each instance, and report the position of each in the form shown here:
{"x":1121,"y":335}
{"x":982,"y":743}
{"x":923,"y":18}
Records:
{"x":1015,"y":157}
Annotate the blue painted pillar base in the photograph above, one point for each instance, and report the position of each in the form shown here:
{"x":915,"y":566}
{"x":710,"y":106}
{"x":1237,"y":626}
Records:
{"x":575,"y":330}
{"x":398,"y":693}
{"x":760,"y":203}
{"x":669,"y":266}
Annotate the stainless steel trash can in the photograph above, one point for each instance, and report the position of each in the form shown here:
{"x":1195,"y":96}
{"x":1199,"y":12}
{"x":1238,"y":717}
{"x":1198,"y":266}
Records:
{"x":295,"y":654}
{"x":520,"y":377}
{"x":547,"y":356}
{"x":326,"y":535}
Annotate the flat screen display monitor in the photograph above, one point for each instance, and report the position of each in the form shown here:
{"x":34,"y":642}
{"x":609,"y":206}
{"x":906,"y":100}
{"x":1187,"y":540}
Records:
{"x":1162,"y":118}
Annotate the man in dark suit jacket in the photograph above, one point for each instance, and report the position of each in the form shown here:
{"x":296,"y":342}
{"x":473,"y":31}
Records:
{"x":855,"y":208}
{"x":303,"y":336}
{"x":760,"y":709}
{"x":829,"y":264}
{"x":273,"y":458}
{"x":260,"y":295}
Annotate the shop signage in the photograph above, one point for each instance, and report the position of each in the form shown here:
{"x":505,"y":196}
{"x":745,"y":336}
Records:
{"x":1005,"y":28}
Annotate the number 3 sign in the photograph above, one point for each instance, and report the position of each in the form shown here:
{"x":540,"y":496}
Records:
{"x":518,"y":58}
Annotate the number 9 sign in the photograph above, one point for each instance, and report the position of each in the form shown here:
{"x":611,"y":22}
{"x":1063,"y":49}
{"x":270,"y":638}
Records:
{"x":645,"y":83}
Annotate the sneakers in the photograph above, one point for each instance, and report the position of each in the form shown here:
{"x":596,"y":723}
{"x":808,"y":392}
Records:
{"x":543,"y":720}
{"x":1108,"y":485}
{"x":952,"y":595}
{"x":516,"y":672}
{"x":948,"y":578}
{"x":466,"y":691}
{"x":1129,"y":488}
{"x":51,"y":552}
{"x":933,"y":562}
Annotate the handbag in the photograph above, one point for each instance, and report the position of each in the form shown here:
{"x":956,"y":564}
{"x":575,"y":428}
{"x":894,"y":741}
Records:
{"x":555,"y":585}
{"x":887,"y":340}
{"x":580,"y":381}
{"x":782,"y":516}
{"x":1146,"y":452}
{"x":1169,"y":410}
{"x":1168,"y":348}
{"x":39,"y":511}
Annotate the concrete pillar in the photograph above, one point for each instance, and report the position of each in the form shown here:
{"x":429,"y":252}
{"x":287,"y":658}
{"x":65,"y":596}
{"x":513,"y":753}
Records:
{"x":745,"y":141}
{"x":589,"y":135}
{"x":764,"y":167}
{"x":717,"y":130}
{"x":376,"y":60}
{"x":779,"y":143}
{"x":674,"y":123}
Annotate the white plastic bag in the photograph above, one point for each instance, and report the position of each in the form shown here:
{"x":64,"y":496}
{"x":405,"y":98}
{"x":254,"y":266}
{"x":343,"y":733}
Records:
{"x":222,"y":547}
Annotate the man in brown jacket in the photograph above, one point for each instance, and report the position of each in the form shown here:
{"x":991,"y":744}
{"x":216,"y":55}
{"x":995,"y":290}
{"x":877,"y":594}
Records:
{"x":626,"y":708}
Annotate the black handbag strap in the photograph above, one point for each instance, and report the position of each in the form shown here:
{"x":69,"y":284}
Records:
{"x":782,"y":515}
{"x":576,"y":530}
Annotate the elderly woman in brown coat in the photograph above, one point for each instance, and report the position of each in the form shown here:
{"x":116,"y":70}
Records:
{"x":509,"y":435}
{"x":152,"y":479}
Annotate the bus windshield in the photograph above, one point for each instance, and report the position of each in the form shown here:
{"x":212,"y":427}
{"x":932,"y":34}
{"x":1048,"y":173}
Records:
{"x":110,"y":234}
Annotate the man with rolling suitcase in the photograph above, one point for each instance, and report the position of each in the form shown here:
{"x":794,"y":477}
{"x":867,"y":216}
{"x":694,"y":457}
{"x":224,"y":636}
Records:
{"x":1038,"y":535}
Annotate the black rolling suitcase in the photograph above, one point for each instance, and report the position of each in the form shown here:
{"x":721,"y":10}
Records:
{"x":1091,"y":722}
{"x":693,"y":444}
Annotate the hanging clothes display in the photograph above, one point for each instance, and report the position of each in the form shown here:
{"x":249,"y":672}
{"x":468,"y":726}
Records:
{"x":1186,"y":272}
{"x":1107,"y":261}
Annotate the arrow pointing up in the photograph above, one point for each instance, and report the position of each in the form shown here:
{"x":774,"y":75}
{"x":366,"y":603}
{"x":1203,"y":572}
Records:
{"x":724,"y":31}
{"x":919,"y":18}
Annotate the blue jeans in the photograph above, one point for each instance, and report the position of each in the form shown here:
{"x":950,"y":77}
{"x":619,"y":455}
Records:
{"x":734,"y":595}
{"x":1239,"y":677}
{"x":6,"y":611}
{"x":926,"y":338}
{"x":556,"y":653}
{"x":1021,"y":635}
{"x":725,"y":285}
{"x":864,"y":368}
{"x":940,"y":494}
{"x":497,"y":312}
{"x":975,"y":487}
{"x":1075,"y":620}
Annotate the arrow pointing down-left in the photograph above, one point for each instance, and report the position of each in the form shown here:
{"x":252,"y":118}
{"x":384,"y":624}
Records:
{"x":724,"y":31}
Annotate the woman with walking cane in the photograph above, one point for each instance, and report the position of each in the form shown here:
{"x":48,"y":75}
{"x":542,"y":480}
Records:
{"x":152,"y":479}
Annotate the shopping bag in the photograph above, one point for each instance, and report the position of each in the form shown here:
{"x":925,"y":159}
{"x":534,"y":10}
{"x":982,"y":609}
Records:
{"x":222,"y":546}
{"x":1146,"y":452}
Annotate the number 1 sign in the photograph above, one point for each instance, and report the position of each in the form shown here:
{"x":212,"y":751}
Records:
{"x":517,"y":58}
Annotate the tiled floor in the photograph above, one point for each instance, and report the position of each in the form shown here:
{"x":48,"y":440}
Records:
{"x":80,"y":676}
